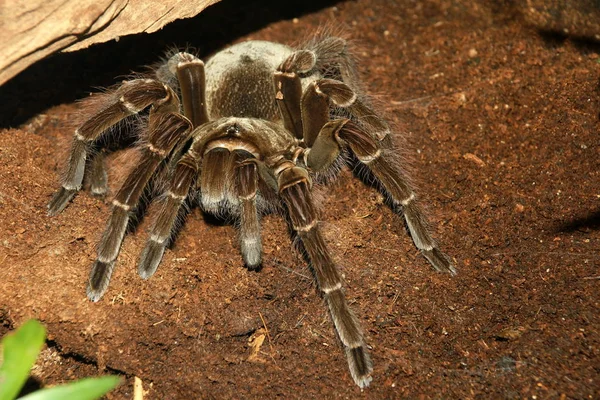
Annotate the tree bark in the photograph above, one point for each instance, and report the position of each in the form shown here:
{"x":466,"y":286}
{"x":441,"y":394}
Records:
{"x":33,"y":29}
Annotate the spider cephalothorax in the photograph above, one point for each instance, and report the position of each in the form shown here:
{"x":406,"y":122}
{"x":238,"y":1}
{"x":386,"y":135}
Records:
{"x":250,"y":131}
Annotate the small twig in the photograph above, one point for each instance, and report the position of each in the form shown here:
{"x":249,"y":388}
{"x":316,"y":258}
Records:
{"x":415,"y":100}
{"x":384,"y":249}
{"x":138,"y":389}
{"x":300,"y":320}
{"x":393,"y":301}
{"x":363,"y":216}
{"x":591,"y":277}
{"x":267,"y":331}
{"x":292,"y":271}
{"x":415,"y":328}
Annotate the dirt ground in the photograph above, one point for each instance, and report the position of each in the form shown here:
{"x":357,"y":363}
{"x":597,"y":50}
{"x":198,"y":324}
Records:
{"x":503,"y":127}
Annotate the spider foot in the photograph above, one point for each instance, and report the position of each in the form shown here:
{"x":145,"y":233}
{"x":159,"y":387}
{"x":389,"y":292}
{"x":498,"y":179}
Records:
{"x":59,"y":200}
{"x":150,"y":258}
{"x":255,"y":267}
{"x":439,"y":260}
{"x":98,"y":192}
{"x":252,"y":252}
{"x":99,"y":196}
{"x":99,"y":279}
{"x":360,"y":365}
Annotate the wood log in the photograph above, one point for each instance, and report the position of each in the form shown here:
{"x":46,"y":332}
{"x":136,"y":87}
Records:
{"x":33,"y":29}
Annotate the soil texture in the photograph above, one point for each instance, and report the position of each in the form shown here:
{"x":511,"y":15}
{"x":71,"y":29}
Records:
{"x":500,"y":126}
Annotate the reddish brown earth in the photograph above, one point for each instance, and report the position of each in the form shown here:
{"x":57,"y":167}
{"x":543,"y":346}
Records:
{"x":503,"y":126}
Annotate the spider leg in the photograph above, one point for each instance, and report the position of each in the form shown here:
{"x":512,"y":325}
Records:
{"x":184,"y":174}
{"x":400,"y":193}
{"x":166,"y":129}
{"x":246,"y":185}
{"x":289,"y":88}
{"x":161,"y":231}
{"x":130,"y":98}
{"x":326,"y":139}
{"x":333,"y":136}
{"x":294,"y":188}
{"x":315,"y":105}
{"x":189,"y":71}
{"x":331,"y":57}
{"x":336,"y":60}
{"x":98,"y":176}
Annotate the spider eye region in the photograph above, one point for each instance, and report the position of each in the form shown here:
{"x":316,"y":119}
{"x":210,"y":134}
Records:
{"x":233,"y":130}
{"x":246,"y":59}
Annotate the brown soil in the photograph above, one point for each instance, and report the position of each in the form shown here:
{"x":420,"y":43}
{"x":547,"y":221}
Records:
{"x":503,"y":124}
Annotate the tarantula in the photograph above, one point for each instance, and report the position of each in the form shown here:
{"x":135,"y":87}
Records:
{"x":249,"y":132}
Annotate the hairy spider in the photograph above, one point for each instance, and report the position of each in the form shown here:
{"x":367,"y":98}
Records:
{"x":249,"y":132}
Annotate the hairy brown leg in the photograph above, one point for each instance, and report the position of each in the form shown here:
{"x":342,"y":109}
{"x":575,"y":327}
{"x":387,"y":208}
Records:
{"x":368,"y":138}
{"x":331,"y":57}
{"x":400,"y":192}
{"x":289,"y":88}
{"x":344,"y":133}
{"x":98,"y":176}
{"x":294,"y":188}
{"x":170,"y":207}
{"x":315,"y":105}
{"x":166,"y":129}
{"x":335,"y":58}
{"x":192,"y":81}
{"x":189,"y":72}
{"x":246,"y":185}
{"x":130,"y":98}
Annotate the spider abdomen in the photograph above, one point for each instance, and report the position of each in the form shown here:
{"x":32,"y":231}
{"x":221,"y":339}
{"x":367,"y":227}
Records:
{"x":239,"y":80}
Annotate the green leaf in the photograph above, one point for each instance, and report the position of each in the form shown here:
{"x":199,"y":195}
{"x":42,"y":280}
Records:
{"x":20,"y":350}
{"x":84,"y":389}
